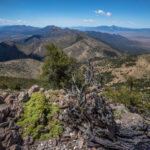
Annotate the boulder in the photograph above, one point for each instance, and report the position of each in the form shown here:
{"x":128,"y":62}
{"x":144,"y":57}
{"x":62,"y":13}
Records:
{"x":1,"y":100}
{"x":15,"y":147}
{"x":28,"y":140}
{"x":126,"y":117}
{"x":42,"y":90}
{"x":1,"y":146}
{"x":4,"y":111}
{"x":23,"y":97}
{"x":33,"y":89}
{"x":5,"y":94}
{"x":12,"y":138}
{"x":2,"y":134}
{"x":10,"y":99}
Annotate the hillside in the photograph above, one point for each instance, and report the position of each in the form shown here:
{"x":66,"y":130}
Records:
{"x":9,"y":51}
{"x":141,"y":35}
{"x":117,"y":68}
{"x":114,"y":68}
{"x":119,"y":42}
{"x":16,"y":32}
{"x":21,"y":68}
{"x":75,"y":43}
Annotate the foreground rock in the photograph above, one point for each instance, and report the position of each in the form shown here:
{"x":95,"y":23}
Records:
{"x":88,"y":121}
{"x":90,"y":116}
{"x":124,"y":117}
{"x":10,"y":136}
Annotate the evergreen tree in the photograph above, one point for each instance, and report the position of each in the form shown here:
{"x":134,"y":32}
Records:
{"x":57,"y":69}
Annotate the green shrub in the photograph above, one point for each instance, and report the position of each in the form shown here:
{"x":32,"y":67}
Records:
{"x":39,"y":114}
{"x":124,"y":95}
{"x":57,"y":69}
{"x":16,"y":83}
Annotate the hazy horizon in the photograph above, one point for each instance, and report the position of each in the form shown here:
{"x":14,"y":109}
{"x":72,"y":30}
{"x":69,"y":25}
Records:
{"x":73,"y":26}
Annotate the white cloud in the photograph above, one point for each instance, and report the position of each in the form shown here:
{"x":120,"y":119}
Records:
{"x":108,"y":14}
{"x":11,"y":22}
{"x":88,"y":20}
{"x":101,"y":12}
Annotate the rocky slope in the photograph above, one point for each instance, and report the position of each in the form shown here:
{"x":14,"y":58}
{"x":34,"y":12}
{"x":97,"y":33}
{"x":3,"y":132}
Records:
{"x":88,"y":120}
{"x":136,"y":66}
{"x":128,"y":135}
{"x":26,"y":68}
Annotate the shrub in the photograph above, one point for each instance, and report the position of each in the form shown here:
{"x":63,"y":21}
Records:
{"x":57,"y":69}
{"x":16,"y":83}
{"x":131,"y":99}
{"x":40,"y":114}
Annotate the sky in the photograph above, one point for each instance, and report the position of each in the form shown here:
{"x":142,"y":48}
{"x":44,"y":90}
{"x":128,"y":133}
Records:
{"x":68,"y":13}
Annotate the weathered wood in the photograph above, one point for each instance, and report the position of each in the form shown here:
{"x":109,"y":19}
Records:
{"x":92,"y":116}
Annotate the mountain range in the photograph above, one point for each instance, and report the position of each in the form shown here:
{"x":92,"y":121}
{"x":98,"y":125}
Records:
{"x":29,"y":42}
{"x":141,"y":35}
{"x":113,"y":29}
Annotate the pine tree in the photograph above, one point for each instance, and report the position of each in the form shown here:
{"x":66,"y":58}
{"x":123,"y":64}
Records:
{"x":57,"y":68}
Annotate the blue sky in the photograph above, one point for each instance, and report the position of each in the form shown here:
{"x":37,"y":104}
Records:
{"x":126,"y":13}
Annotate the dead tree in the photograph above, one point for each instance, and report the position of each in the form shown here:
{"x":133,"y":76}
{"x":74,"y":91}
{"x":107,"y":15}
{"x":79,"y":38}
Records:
{"x":91,"y":115}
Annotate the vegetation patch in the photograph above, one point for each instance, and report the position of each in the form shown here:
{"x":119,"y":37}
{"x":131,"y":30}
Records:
{"x":108,"y":77}
{"x":116,"y":115}
{"x":109,"y":53}
{"x":134,"y":100}
{"x":16,"y":83}
{"x":126,"y":60}
{"x":39,"y":118}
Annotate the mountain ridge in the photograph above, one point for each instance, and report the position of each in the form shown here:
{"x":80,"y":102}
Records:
{"x":82,"y":45}
{"x":75,"y":43}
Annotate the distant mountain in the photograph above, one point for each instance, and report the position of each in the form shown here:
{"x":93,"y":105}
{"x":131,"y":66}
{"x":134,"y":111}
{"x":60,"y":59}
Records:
{"x":119,"y":42}
{"x":140,"y":35}
{"x":82,"y":45}
{"x":75,"y":43}
{"x":16,"y":32}
{"x":113,"y":29}
{"x":9,"y":51}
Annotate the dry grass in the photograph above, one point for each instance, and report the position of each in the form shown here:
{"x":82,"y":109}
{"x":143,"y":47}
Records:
{"x":21,"y":68}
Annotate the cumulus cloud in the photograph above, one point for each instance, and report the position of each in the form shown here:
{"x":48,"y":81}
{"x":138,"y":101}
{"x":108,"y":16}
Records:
{"x":88,"y":20}
{"x":108,"y":14}
{"x":101,"y":12}
{"x":11,"y":22}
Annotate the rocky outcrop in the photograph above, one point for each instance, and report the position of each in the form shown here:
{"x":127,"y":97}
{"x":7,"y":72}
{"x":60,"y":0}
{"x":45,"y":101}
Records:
{"x":23,"y":96}
{"x":87,"y":118}
{"x":33,"y":89}
{"x":10,"y":111}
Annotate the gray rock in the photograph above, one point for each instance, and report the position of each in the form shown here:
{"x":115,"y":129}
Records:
{"x":33,"y":89}
{"x":1,"y":100}
{"x":42,"y":90}
{"x":5,"y":94}
{"x":4,"y":111}
{"x":12,"y":138}
{"x":1,"y":146}
{"x":4,"y":124}
{"x":15,"y":147}
{"x":28,"y":140}
{"x":23,"y":97}
{"x":10,"y":99}
{"x":2,"y":134}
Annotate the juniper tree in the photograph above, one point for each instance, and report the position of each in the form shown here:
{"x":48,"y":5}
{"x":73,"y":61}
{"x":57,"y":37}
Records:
{"x":57,"y":68}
